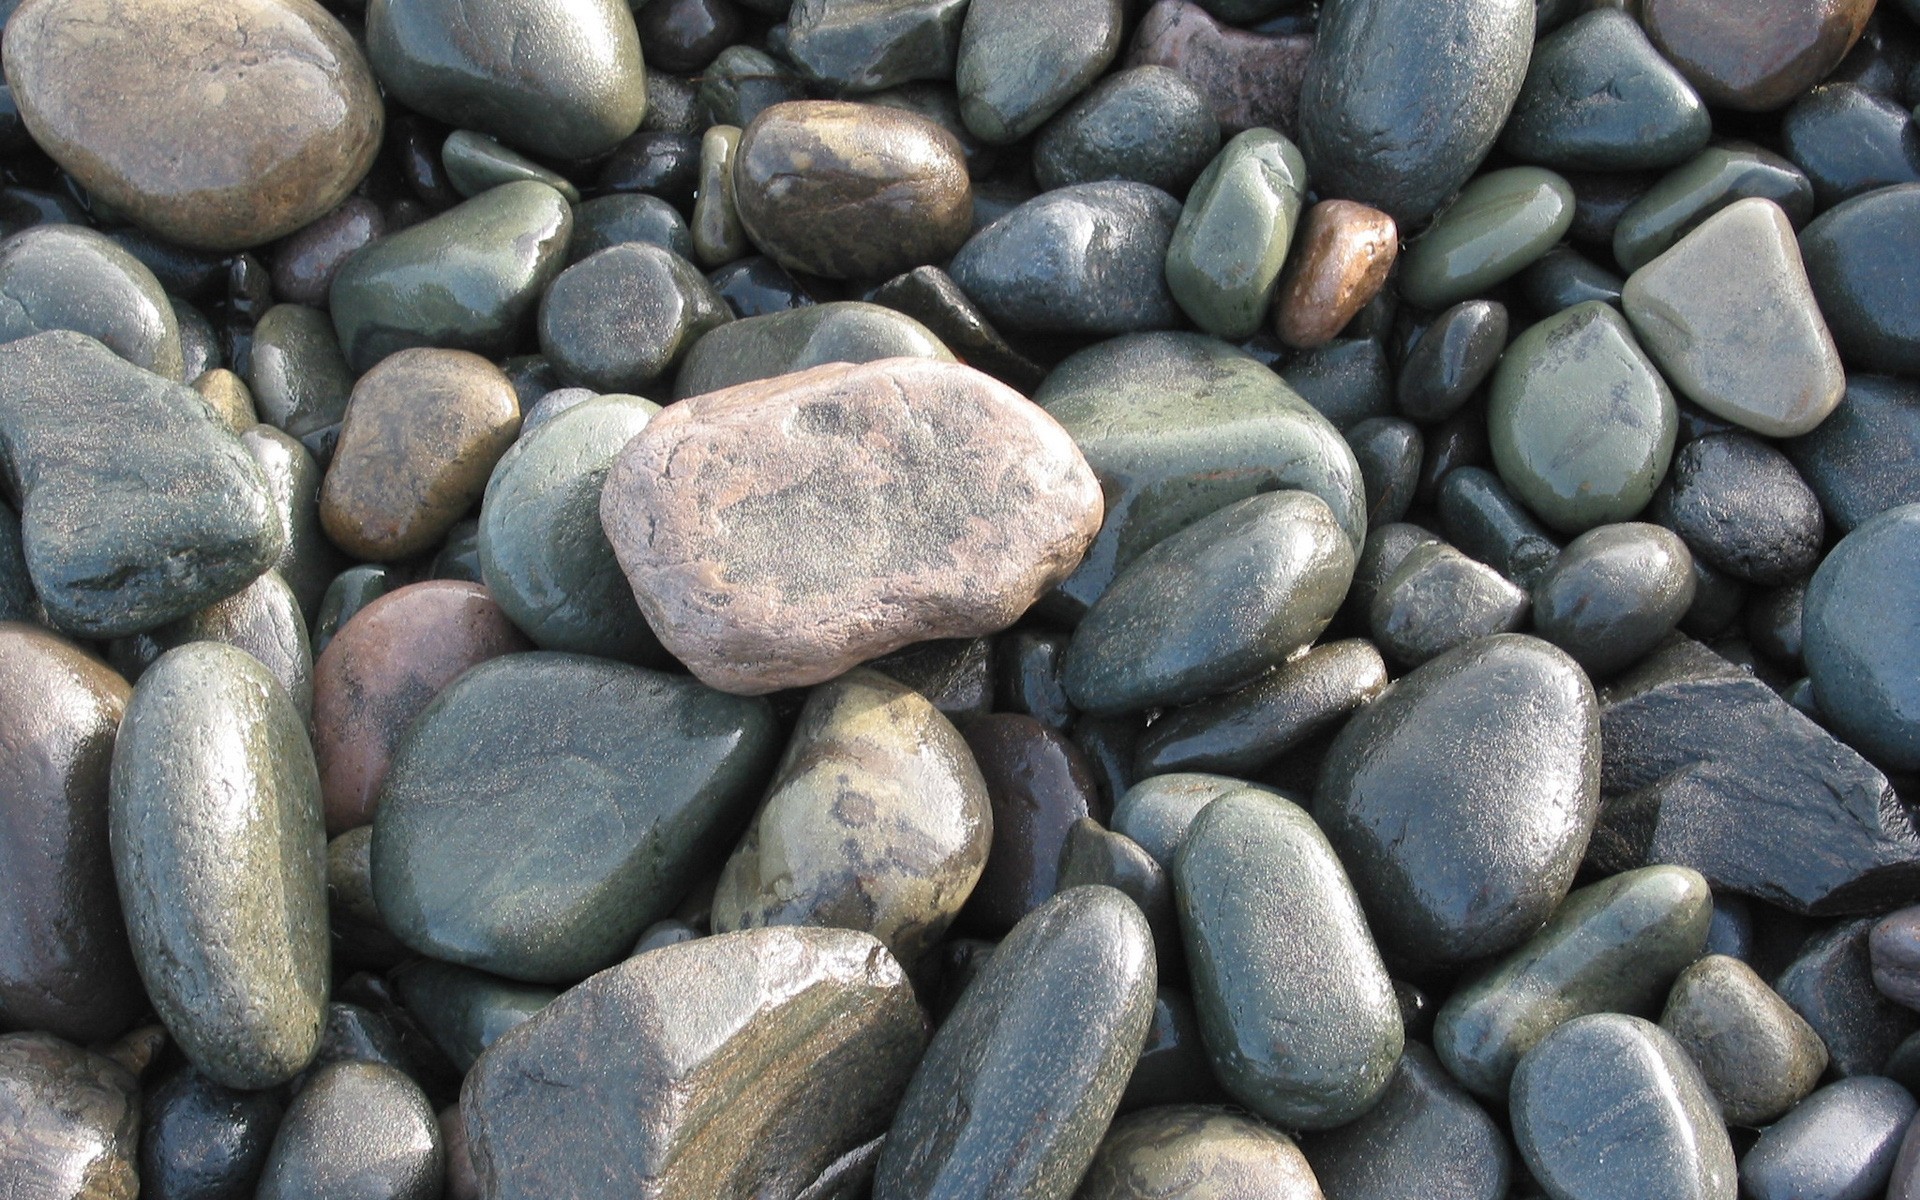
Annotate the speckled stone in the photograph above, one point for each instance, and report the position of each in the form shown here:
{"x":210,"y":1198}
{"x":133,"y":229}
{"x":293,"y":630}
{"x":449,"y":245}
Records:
{"x":263,"y":619}
{"x":202,"y":1141}
{"x":299,"y":376}
{"x":69,"y":1121}
{"x":1865,"y":458}
{"x":1425,"y":1137}
{"x":1599,"y":97}
{"x":1022,"y":60}
{"x":465,"y":1011}
{"x":621,"y":318}
{"x":1743,"y":509}
{"x":781,"y":343}
{"x":1182,"y":1152}
{"x":1614,"y":593}
{"x":1250,"y":80}
{"x":1859,"y":256}
{"x":69,"y":277}
{"x":1755,"y":1053}
{"x":1345,"y":253}
{"x":622,"y":217}
{"x":1437,"y":599}
{"x":1148,"y":124}
{"x":356,"y":1129}
{"x":1839,"y":1142}
{"x":871,"y":45}
{"x":1830,"y":983}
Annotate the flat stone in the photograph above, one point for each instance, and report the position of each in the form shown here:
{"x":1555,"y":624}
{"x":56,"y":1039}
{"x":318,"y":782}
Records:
{"x":1251,"y":81}
{"x":1743,"y":509}
{"x":378,"y":674}
{"x":1754,"y":57}
{"x":1860,"y":609}
{"x":1038,"y":786}
{"x":1163,"y":1152}
{"x":560,"y":78}
{"x":895,"y":524}
{"x":1757,"y":1056}
{"x":660,"y":771}
{"x":299,"y":376}
{"x":467,"y":279}
{"x":876,"y":820}
{"x":356,"y":1128}
{"x":200,"y":1139}
{"x":65,"y":966}
{"x":620,"y":319}
{"x":1022,"y":60}
{"x":1085,"y":259}
{"x":69,"y":1120}
{"x":1425,"y":1137}
{"x":781,"y":343}
{"x":1147,"y":123}
{"x":1344,"y":255}
{"x":219,"y":850}
{"x":871,"y":45}
{"x":1599,"y":97}
{"x":1234,"y":233}
{"x":69,"y":277}
{"x":1614,"y":594}
{"x":1611,"y":947}
{"x":1830,"y":983}
{"x":1865,"y":458}
{"x":1301,"y":1025}
{"x":145,"y":511}
{"x":219,"y":125}
{"x":1212,"y":606}
{"x":305,"y":261}
{"x":720,"y":1066}
{"x":1401,"y":101}
{"x":1859,"y":257}
{"x":1603,"y":1081}
{"x":1841,"y":1141}
{"x":1437,"y":599}
{"x":1021,"y":1080}
{"x":1731,"y":319}
{"x":1690,"y":193}
{"x":1498,"y":226}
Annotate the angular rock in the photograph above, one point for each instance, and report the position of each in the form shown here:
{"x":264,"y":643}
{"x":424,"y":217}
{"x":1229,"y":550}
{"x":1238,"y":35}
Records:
{"x":1830,"y":983}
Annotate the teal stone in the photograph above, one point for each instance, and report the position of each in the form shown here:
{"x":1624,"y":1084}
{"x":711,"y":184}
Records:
{"x":628,"y":217}
{"x":1690,"y":193}
{"x":1177,"y":426}
{"x":1022,"y":60}
{"x":1021,"y":1080}
{"x":1500,"y":224}
{"x":464,"y":1011}
{"x":1157,"y":812}
{"x":1599,"y":97}
{"x":543,"y":555}
{"x":1212,"y":606}
{"x":1861,"y":637}
{"x":1861,"y":258}
{"x":299,"y":378}
{"x":1234,"y":233}
{"x":558,"y":78}
{"x":1582,"y":425}
{"x":467,"y":279}
{"x":140,"y":508}
{"x":1613,"y":946}
{"x":70,"y":277}
{"x":1296,"y":1009}
{"x":220,"y":854}
{"x":627,"y":783}
{"x":475,"y":162}
{"x":780,"y":343}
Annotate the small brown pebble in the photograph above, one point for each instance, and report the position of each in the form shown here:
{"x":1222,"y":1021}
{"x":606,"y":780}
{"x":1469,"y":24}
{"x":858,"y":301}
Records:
{"x":1754,"y":55}
{"x":230,"y":397}
{"x":1340,"y":262}
{"x":1249,"y":80}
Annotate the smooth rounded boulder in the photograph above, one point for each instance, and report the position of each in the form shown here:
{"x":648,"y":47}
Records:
{"x":843,"y":512}
{"x":219,"y":850}
{"x":1861,"y":633}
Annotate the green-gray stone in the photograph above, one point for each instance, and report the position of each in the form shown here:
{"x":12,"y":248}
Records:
{"x":1212,"y":606}
{"x":356,"y":1129}
{"x":1613,"y":946}
{"x":628,"y":217}
{"x":743,"y":81}
{"x":876,"y":820}
{"x":868,"y":45}
{"x":718,"y":236}
{"x":1608,"y":1107}
{"x":1425,"y":1138}
{"x":263,"y":619}
{"x":1022,"y":60}
{"x":1022,"y":1078}
{"x":1177,"y":426}
{"x":1859,"y":629}
{"x":467,"y":279}
{"x":70,"y":277}
{"x":464,"y":1011}
{"x":1758,"y":1056}
{"x":17,"y":602}
{"x":1599,"y":97}
{"x":543,"y":554}
{"x":1438,"y":599}
{"x":1148,"y":124}
{"x":1168,"y":1152}
{"x":299,"y":378}
{"x":137,"y":510}
{"x":1614,"y":593}
{"x":619,"y":320}
{"x":1295,"y":1006}
{"x":1582,"y":425}
{"x":220,"y":854}
{"x":1157,"y":812}
{"x":779,"y":343}
{"x":627,"y":783}
{"x":309,"y":562}
{"x":558,"y":78}
{"x":1234,"y":232}
{"x":1093,"y":856}
{"x":1694,"y":191}
{"x":475,"y":162}
{"x":351,"y":590}
{"x":1498,"y":226}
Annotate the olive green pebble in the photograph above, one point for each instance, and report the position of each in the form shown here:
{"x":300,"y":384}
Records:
{"x":1695,"y":190}
{"x":299,"y":376}
{"x":475,"y":162}
{"x":1758,"y":1056}
{"x":1234,"y":232}
{"x":1614,"y":593}
{"x":718,"y":236}
{"x":1501,"y":223}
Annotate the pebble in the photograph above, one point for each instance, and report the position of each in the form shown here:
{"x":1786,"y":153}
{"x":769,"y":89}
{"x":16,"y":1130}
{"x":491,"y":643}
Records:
{"x":202,"y":1141}
{"x":1602,"y":1082}
{"x":1425,"y":1137}
{"x":1865,"y":458}
{"x":1234,"y":232}
{"x":1830,"y":983}
{"x":380,"y":671}
{"x":1612,"y":946}
{"x":1021,"y":61}
{"x":475,"y":163}
{"x":309,"y":562}
{"x":1757,"y":1056}
{"x":1085,"y":259}
{"x":1485,"y":521}
{"x":930,"y":296}
{"x":1211,"y":607}
{"x":685,"y":35}
{"x":1614,"y":594}
{"x":263,"y":619}
{"x":1344,"y":255}
{"x":1742,"y":508}
{"x":71,"y":1123}
{"x":1857,"y":256}
{"x":1250,"y":81}
{"x":1451,"y":359}
{"x":219,"y":851}
{"x":69,"y":277}
{"x":1758,"y":57}
{"x":1599,"y":97}
{"x":1096,"y":856}
{"x":876,"y":820}
{"x":1402,"y":101}
{"x":1149,"y":124}
{"x":943,"y":478}
{"x":1295,"y":1006}
{"x":1389,"y":451}
{"x":622,"y":217}
{"x":305,"y":261}
{"x":1499,"y":225}
{"x":422,"y":432}
{"x":357,"y":1129}
{"x":1183,"y":1152}
{"x":1021,"y":1080}
{"x":299,"y":376}
{"x":1730,"y":318}
{"x":620,"y":319}
{"x":1849,"y":141}
{"x":1157,"y":812}
{"x":872,"y":45}
{"x":1838,"y":1144}
{"x":229,"y":397}
{"x":218,"y":125}
{"x":464,"y":1011}
{"x":1894,"y":947}
{"x":1859,"y":652}
{"x":659,"y":771}
{"x":781,"y":343}
{"x":1692,"y":192}
{"x":1438,"y":599}
{"x":559,"y":78}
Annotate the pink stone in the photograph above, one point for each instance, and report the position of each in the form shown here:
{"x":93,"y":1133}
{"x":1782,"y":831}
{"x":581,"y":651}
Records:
{"x":1250,"y":80}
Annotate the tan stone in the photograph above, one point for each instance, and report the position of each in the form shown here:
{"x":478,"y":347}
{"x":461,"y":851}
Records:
{"x":1340,"y":262}
{"x":216,"y":123}
{"x":422,"y":432}
{"x":780,"y":532}
{"x":229,"y":396}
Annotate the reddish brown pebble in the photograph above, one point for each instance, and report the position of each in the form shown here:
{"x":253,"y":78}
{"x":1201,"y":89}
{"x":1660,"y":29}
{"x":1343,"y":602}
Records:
{"x":306,"y":260}
{"x":1250,"y":81}
{"x":1754,"y":54}
{"x":1339,"y":264}
{"x":381,"y":670}
{"x":780,"y":532}
{"x":422,"y":432}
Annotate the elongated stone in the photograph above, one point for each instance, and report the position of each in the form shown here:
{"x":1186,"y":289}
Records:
{"x":1498,"y":226}
{"x":1694,"y":191}
{"x":1234,"y":233}
{"x":299,"y":376}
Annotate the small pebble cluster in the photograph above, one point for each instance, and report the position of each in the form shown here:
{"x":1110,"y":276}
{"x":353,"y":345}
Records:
{"x":959,"y":600}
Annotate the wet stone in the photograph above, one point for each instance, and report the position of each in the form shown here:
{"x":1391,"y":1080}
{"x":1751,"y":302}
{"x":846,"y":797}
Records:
{"x":1451,"y":359}
{"x":1148,"y":124}
{"x":1599,"y":97}
{"x":202,"y":1141}
{"x":1841,"y":1141}
{"x":742,"y":82}
{"x":954,"y":674}
{"x":69,"y":277}
{"x":1020,"y":61}
{"x":356,"y":1129}
{"x":1234,"y":232}
{"x":781,"y":343}
{"x":71,"y":1120}
{"x":263,"y":619}
{"x":1482,"y":518}
{"x":1859,"y":257}
{"x":1026,"y":672}
{"x":1345,"y":253}
{"x":1038,"y":785}
{"x":1164,"y":1152}
{"x":1614,"y":593}
{"x":620,"y":319}
{"x":475,"y":162}
{"x":1389,"y":451}
{"x":1830,"y":983}
{"x":658,"y":162}
{"x":1096,"y":856}
{"x":306,"y":260}
{"x":465,"y":1011}
{"x":1757,"y":1056}
{"x":1894,"y":947}
{"x":1438,"y":599}
{"x":1689,"y":194}
{"x":1865,"y":458}
{"x":871,"y":45}
{"x":685,"y":35}
{"x":349,"y":592}
{"x":1250,"y":80}
{"x":930,"y":296}
{"x":1849,"y":141}
{"x":1425,"y":1137}
{"x":1172,"y":1068}
{"x":627,"y":217}
{"x":1563,"y":277}
{"x":1742,"y":508}
{"x":1754,"y":57}
{"x":1860,"y":611}
{"x":756,"y":286}
{"x":1499,"y":224}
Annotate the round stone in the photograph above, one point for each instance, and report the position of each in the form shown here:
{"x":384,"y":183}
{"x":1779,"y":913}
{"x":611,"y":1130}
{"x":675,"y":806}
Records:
{"x":1614,"y":593}
{"x":220,"y":124}
{"x":1861,"y":257}
{"x":1159,"y":1154}
{"x":1759,"y":55}
{"x":199,"y":1139}
{"x":1147,"y":124}
{"x":1426,"y":1137}
{"x":1757,"y":1055}
{"x":1743,"y":509}
{"x":620,"y":319}
{"x":1022,"y":60}
{"x":306,"y":260}
{"x":1839,"y":1142}
{"x":1862,"y":636}
{"x":356,"y":1129}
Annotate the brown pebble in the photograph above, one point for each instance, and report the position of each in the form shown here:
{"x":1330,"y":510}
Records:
{"x":461,"y":1182}
{"x":1339,"y":263}
{"x":1250,"y":81}
{"x":422,"y":432}
{"x":230,"y":397}
{"x":1754,"y":55}
{"x":306,"y":260}
{"x":1038,"y":785}
{"x":382,"y":668}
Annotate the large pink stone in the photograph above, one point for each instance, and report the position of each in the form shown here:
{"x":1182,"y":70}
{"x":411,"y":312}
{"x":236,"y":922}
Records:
{"x":781,"y":532}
